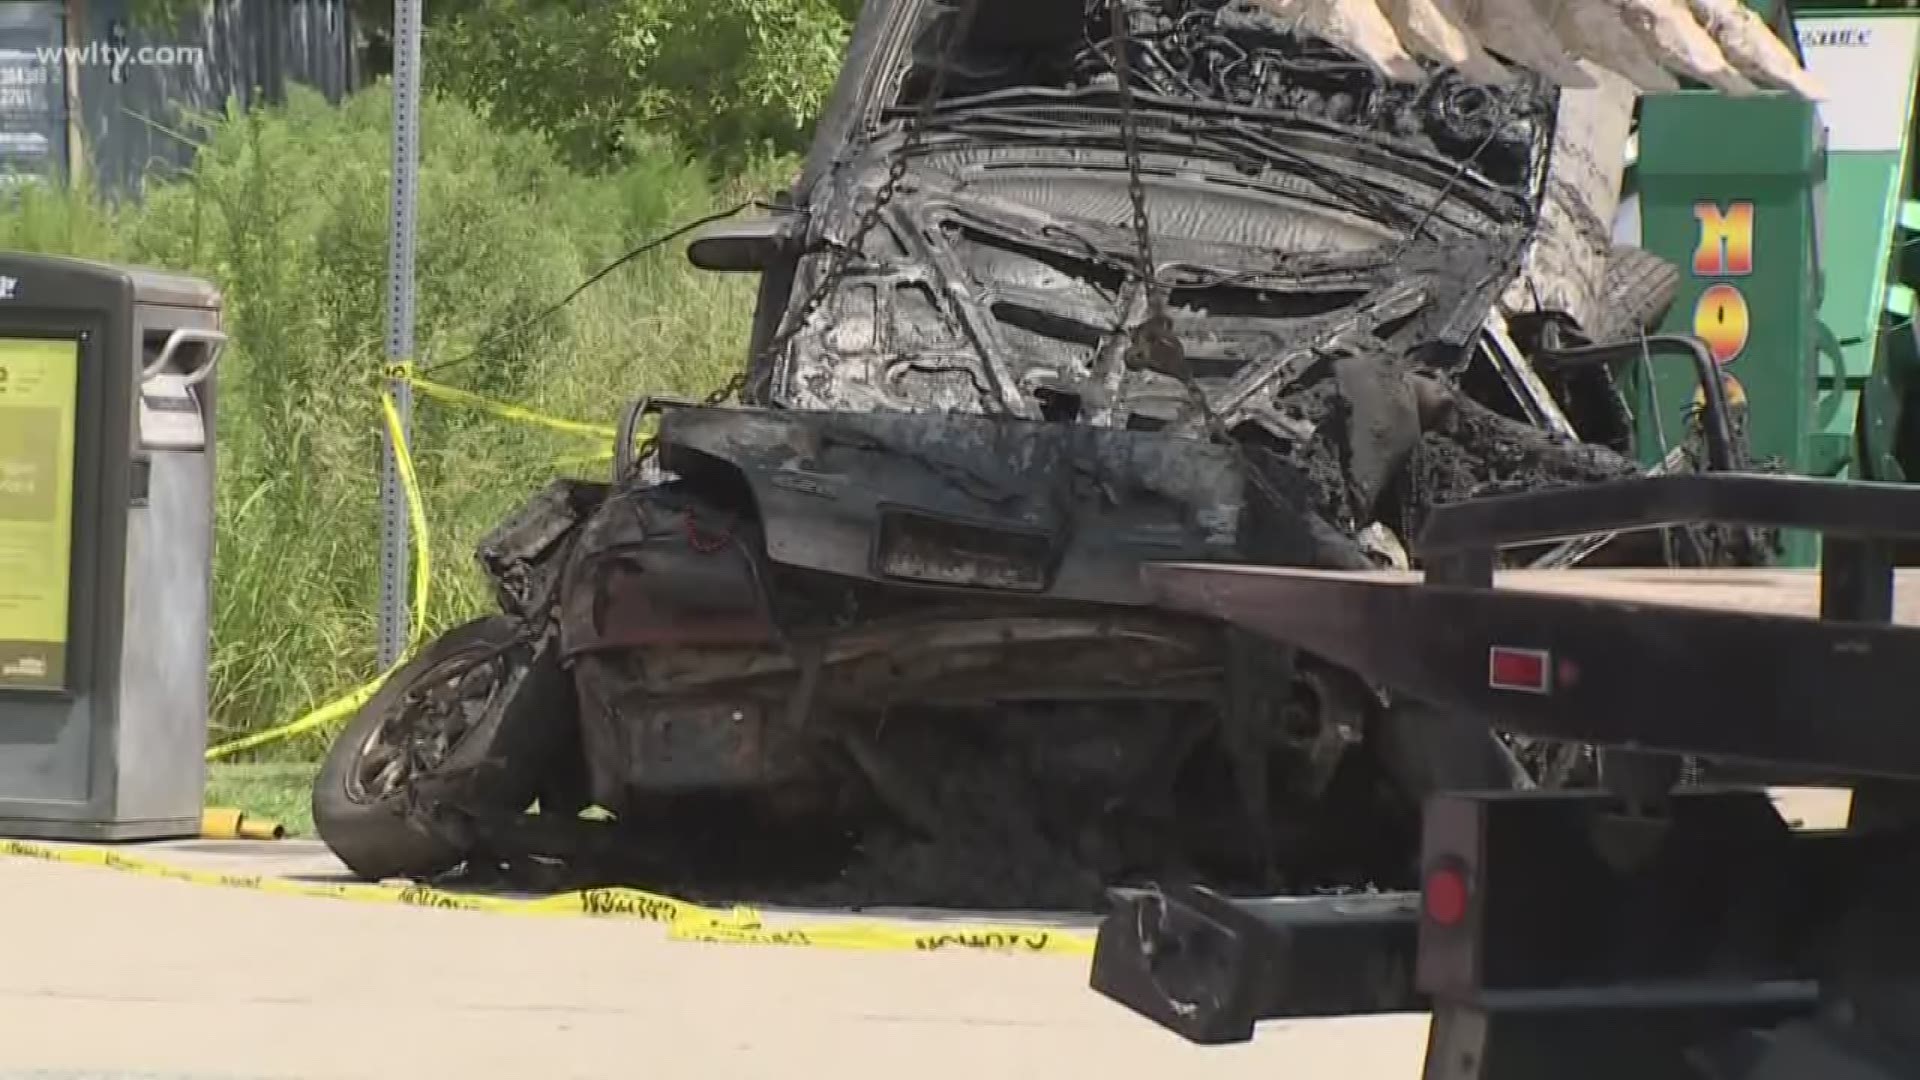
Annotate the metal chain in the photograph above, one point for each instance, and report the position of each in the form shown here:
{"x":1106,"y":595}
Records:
{"x":841,"y":257}
{"x":1155,"y":344}
{"x":1118,"y":13}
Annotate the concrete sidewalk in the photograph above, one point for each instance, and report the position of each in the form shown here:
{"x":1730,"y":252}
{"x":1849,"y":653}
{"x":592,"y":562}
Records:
{"x":113,"y":973}
{"x":107,"y":974}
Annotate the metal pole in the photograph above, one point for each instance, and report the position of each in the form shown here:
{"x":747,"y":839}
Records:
{"x":394,"y":562}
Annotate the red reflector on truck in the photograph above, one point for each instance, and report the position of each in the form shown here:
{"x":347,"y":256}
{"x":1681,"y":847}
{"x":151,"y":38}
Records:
{"x":1445,"y":894}
{"x":1528,"y":670}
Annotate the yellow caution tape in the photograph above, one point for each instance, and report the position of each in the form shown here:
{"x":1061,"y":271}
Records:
{"x":405,"y":372}
{"x":453,"y":395}
{"x":347,"y":704}
{"x":466,"y":398}
{"x":350,"y":702}
{"x":598,"y":903}
{"x":416,"y":514}
{"x":583,"y":460}
{"x":326,"y":714}
{"x":882,"y":937}
{"x":684,"y":920}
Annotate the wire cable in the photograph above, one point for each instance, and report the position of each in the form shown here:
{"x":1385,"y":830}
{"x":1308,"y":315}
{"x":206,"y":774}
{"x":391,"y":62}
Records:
{"x":666,"y":238}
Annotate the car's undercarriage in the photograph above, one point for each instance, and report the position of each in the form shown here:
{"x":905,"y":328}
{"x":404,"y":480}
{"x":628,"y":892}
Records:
{"x":884,"y":619}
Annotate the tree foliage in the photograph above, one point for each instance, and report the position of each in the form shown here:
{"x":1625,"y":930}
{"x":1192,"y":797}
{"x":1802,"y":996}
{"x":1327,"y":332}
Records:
{"x":732,"y":79}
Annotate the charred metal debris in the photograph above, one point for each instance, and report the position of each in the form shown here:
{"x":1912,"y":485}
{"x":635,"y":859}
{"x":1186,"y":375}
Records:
{"x":1066,"y":288}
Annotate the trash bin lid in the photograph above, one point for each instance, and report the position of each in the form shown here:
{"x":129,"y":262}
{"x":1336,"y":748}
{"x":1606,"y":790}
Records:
{"x":171,"y":289}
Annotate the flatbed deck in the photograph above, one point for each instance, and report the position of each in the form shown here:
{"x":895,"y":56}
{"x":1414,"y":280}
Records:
{"x":1652,"y":929}
{"x":1784,"y":593}
{"x":1654,"y":659}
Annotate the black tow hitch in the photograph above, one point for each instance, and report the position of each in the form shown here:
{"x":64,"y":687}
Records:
{"x":1209,"y":968}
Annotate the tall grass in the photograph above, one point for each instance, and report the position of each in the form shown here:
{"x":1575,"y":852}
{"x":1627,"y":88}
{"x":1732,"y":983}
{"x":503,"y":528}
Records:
{"x":287,"y":212}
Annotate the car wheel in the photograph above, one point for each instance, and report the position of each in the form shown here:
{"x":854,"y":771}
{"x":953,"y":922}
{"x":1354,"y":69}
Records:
{"x":471,"y":724}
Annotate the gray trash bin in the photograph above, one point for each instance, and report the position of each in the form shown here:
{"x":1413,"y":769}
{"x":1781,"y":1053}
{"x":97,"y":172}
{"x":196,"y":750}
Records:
{"x":106,"y":548}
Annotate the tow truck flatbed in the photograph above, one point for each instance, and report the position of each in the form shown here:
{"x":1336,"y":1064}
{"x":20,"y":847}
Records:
{"x":1785,"y":593}
{"x":1630,"y":932}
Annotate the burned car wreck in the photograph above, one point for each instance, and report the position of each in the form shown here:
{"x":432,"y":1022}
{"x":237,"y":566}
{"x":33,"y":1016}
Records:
{"x":1062,"y":290}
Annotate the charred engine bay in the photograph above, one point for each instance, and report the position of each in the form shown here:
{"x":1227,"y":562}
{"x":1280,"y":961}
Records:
{"x":771,"y":699}
{"x":1330,"y":246}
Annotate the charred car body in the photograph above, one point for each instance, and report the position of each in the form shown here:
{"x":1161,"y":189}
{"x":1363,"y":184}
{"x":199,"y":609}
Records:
{"x":882,"y":624}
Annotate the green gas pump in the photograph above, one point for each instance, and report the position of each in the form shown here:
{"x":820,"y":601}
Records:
{"x":1793,"y":225}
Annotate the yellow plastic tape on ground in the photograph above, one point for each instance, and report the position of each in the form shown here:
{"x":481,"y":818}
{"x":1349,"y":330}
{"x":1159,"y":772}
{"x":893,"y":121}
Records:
{"x":632,"y":904}
{"x":347,"y":704}
{"x":684,"y":920}
{"x":883,"y":937}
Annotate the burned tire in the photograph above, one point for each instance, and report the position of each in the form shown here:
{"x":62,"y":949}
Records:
{"x":1638,"y":289}
{"x":474,"y":723}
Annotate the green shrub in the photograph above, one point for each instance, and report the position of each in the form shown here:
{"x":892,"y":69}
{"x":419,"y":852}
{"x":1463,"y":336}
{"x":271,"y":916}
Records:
{"x":58,"y":221}
{"x":287,"y":211}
